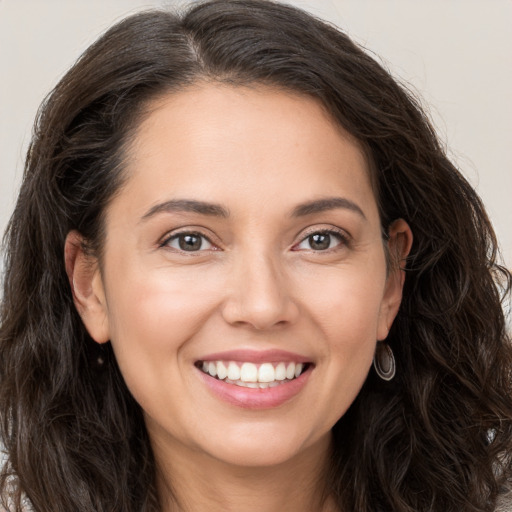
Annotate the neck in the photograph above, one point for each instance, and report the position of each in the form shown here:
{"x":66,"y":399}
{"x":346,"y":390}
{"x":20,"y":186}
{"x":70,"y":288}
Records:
{"x":201,"y":483}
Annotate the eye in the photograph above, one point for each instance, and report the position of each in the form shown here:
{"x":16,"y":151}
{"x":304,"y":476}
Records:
{"x":188,"y":241}
{"x":322,"y":241}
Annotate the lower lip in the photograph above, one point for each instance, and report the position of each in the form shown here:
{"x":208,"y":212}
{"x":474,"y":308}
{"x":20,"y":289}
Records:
{"x":256,"y":398}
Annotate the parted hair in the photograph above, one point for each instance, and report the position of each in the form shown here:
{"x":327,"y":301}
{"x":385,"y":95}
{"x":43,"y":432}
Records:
{"x":436,"y":438}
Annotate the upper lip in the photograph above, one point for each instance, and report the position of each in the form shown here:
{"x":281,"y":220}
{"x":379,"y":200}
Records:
{"x":257,"y":356}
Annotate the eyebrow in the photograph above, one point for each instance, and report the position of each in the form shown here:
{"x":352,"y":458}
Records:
{"x":187,"y":205}
{"x":326,"y":204}
{"x":217,"y":210}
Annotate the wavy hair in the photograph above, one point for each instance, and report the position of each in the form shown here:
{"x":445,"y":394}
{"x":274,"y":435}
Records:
{"x":436,"y":438}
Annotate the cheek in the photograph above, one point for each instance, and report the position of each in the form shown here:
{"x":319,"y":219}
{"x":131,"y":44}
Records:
{"x":355,"y":327}
{"x":152,"y":315}
{"x":160,"y":301}
{"x":347,"y":314}
{"x":345,"y":302}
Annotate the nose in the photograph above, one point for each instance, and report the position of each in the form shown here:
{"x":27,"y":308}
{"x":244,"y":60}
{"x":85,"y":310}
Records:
{"x":259,"y":295}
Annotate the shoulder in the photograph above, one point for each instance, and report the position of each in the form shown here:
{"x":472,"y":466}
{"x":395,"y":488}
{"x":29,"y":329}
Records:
{"x":5,"y":500}
{"x":504,"y":503}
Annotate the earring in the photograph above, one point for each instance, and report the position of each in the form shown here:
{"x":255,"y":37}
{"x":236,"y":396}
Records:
{"x":99,"y":358}
{"x":384,"y":361}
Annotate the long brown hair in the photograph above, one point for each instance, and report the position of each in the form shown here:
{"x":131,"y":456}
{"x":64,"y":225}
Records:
{"x":436,"y":438}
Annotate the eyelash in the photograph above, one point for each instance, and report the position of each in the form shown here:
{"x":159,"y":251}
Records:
{"x":176,"y":236}
{"x":336,"y":233}
{"x":342,"y":237}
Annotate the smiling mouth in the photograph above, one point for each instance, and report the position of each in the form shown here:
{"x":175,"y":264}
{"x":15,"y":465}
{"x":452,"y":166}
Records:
{"x":251,"y":375}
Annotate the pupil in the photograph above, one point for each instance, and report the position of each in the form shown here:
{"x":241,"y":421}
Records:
{"x":319,"y":241}
{"x":190,"y":242}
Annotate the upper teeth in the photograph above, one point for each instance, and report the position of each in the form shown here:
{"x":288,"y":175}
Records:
{"x":250,"y":372}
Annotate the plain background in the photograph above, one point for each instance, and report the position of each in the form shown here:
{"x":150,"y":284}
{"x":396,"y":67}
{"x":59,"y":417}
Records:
{"x":455,"y":53}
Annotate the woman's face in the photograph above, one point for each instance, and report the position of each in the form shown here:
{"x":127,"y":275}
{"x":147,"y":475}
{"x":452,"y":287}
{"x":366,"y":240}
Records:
{"x":245,"y":245}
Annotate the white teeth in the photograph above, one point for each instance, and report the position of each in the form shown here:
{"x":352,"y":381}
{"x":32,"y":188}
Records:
{"x":260,"y":385}
{"x":249,"y":372}
{"x":222,"y":371}
{"x":266,"y":373}
{"x":280,"y":373}
{"x":233,"y":371}
{"x":252,"y":375}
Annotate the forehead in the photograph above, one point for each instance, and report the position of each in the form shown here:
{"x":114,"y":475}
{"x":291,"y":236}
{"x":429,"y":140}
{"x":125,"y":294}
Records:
{"x":247,"y":142}
{"x":204,"y":102}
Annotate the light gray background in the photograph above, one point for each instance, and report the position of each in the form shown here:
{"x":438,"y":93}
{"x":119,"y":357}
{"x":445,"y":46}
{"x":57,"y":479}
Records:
{"x":455,"y":53}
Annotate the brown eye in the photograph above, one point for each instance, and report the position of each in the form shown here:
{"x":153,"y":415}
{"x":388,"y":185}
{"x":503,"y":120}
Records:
{"x":321,"y":241}
{"x":189,"y":242}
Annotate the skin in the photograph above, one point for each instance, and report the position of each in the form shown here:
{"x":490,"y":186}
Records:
{"x":257,"y":284}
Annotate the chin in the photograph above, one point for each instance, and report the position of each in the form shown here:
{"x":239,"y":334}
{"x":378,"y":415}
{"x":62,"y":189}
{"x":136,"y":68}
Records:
{"x":255,"y":458}
{"x":264,"y":449}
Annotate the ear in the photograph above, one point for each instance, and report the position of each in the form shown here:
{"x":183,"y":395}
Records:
{"x":87,"y":287}
{"x":399,"y":245}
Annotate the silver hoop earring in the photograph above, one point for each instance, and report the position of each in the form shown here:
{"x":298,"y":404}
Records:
{"x":384,"y":361}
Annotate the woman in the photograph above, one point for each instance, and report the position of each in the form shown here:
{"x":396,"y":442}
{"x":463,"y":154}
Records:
{"x":225,"y":218}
